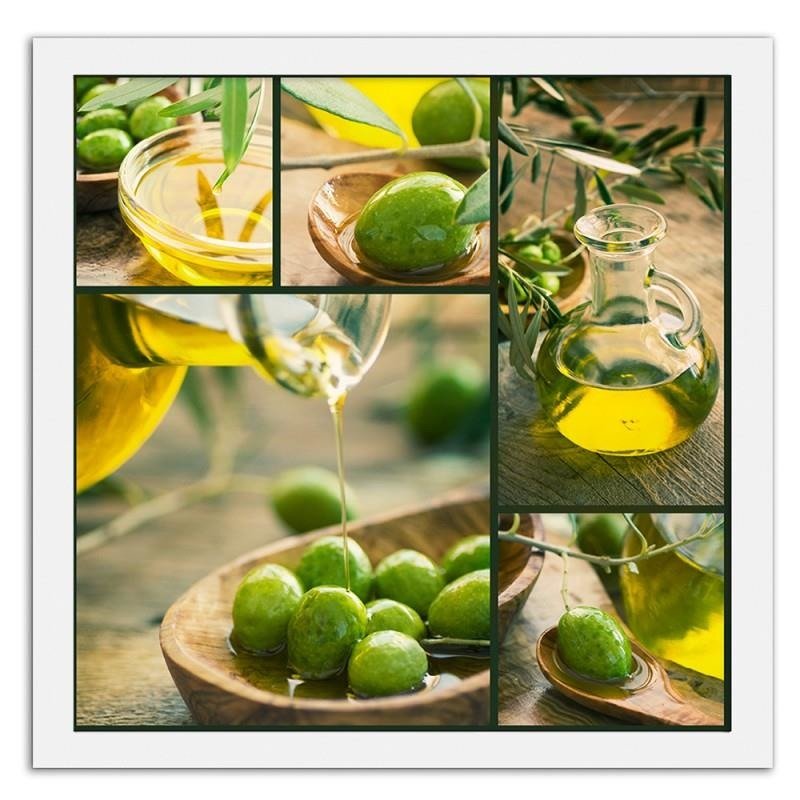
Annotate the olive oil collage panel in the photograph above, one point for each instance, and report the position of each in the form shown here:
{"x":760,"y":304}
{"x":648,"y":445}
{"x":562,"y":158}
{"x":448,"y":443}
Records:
{"x":385,"y":415}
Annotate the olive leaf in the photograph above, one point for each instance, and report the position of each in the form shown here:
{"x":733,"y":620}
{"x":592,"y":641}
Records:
{"x":548,"y":88}
{"x":341,"y":99}
{"x":637,"y":192}
{"x":506,"y":183}
{"x":196,"y":102}
{"x":534,"y":266}
{"x":508,"y":137}
{"x":476,"y":203}
{"x":699,"y":118}
{"x":676,"y":139}
{"x":579,"y":208}
{"x":651,"y":138}
{"x":235,"y":100}
{"x":697,"y":189}
{"x":714,"y":182}
{"x":129,"y":92}
{"x":598,"y":162}
{"x":585,"y":103}
{"x":602,"y":189}
{"x":193,"y":394}
{"x":536,"y":166}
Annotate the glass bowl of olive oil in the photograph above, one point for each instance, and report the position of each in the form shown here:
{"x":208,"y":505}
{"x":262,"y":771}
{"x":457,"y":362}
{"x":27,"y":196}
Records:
{"x":202,"y":235}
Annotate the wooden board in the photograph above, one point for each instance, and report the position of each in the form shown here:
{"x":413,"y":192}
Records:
{"x":525,"y":695}
{"x":538,"y":466}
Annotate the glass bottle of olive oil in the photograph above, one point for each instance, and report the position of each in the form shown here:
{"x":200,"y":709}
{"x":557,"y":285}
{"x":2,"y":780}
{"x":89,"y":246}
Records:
{"x":133,"y":351}
{"x":633,"y":373}
{"x":675,"y":602}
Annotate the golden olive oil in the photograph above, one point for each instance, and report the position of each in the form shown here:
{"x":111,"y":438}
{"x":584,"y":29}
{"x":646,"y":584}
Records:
{"x":621,"y":390}
{"x":397,"y":97}
{"x":132,"y":358}
{"x":675,"y":602}
{"x":203,"y":235}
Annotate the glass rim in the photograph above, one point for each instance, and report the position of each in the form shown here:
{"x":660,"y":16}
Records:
{"x":159,"y":229}
{"x":592,"y":229}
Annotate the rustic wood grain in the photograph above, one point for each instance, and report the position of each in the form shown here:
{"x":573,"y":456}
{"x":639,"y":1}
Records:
{"x":526,"y":697}
{"x":301,"y":264}
{"x":538,"y":466}
{"x":195,"y":630}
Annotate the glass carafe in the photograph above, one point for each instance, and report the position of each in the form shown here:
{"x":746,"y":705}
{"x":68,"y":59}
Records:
{"x":133,"y":351}
{"x":633,"y":373}
{"x":675,"y":602}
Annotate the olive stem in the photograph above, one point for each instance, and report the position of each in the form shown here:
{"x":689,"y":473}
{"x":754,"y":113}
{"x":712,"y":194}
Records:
{"x":608,"y":561}
{"x":472,"y":148}
{"x":211,"y":485}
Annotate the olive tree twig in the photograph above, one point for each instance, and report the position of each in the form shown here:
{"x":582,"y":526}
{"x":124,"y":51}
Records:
{"x":207,"y":487}
{"x":608,"y":561}
{"x":472,"y":148}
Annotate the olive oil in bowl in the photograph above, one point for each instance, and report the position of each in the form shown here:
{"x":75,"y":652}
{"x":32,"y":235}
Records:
{"x":201,"y":234}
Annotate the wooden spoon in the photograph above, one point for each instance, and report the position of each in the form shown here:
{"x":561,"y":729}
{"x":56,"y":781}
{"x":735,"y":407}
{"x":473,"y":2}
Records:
{"x":645,"y":698}
{"x":331,"y":217}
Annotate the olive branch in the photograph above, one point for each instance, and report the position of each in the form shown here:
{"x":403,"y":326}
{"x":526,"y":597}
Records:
{"x":598,"y":150}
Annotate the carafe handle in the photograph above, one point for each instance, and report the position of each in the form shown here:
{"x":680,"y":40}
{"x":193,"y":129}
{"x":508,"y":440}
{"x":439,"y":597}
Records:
{"x":679,"y":293}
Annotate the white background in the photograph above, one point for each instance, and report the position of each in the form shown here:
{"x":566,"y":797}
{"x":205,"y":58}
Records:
{"x":410,"y":17}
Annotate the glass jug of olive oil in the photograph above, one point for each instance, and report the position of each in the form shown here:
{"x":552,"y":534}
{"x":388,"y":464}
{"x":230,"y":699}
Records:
{"x":133,"y":352}
{"x":675,"y":602}
{"x":634,"y":373}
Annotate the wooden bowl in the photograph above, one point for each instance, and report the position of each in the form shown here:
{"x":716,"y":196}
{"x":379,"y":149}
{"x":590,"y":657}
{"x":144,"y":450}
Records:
{"x":331,"y":218}
{"x":194,"y":635}
{"x":519,"y":569}
{"x":574,"y":288}
{"x":97,"y":191}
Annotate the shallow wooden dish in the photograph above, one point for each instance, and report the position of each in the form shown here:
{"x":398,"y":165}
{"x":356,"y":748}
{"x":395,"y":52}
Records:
{"x":518,"y":570}
{"x":331,"y":214}
{"x":195,"y":630}
{"x":97,"y":191}
{"x":575,"y":287}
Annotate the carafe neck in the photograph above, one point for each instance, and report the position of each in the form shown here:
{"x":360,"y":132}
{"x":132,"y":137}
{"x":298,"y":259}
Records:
{"x":619,"y":287}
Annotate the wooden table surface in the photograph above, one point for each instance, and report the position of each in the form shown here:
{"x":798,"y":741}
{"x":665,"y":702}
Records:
{"x":525,"y":696}
{"x":125,"y":586}
{"x":301,"y":264}
{"x":538,"y":466}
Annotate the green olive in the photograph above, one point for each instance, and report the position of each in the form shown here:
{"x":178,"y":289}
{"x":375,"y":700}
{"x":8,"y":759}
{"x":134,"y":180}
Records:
{"x":602,"y":534}
{"x":327,"y":623}
{"x":99,"y":119}
{"x":467,"y":555}
{"x":531,"y":251}
{"x":463,"y":608}
{"x":146,"y":120}
{"x":104,"y":149}
{"x":389,"y":615}
{"x":386,"y":663}
{"x":446,"y":114}
{"x":580,"y":124}
{"x":307,"y":498}
{"x":593,"y":644}
{"x":409,"y":577}
{"x":409,"y":223}
{"x":551,"y":251}
{"x":265,"y":601}
{"x":85,"y":82}
{"x":548,"y":281}
{"x":322,"y":564}
{"x":443,"y":398}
